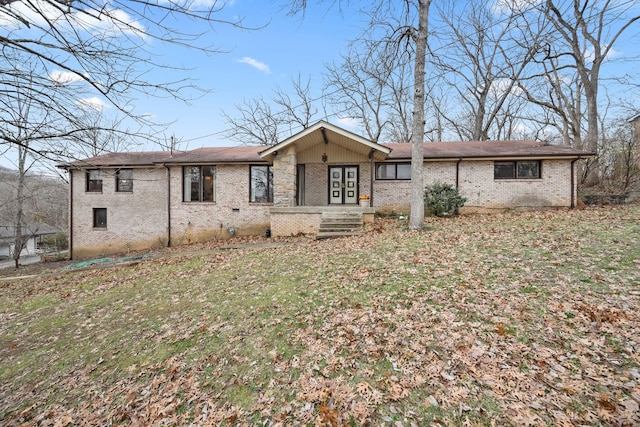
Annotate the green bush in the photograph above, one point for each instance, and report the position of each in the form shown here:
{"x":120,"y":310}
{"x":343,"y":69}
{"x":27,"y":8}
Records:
{"x":442,"y":199}
{"x":56,"y":242}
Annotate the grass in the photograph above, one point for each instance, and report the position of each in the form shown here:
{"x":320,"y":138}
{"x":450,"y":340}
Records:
{"x":499,"y":318}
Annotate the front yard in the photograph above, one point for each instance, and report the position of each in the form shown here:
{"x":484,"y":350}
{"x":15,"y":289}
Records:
{"x":526,"y":318}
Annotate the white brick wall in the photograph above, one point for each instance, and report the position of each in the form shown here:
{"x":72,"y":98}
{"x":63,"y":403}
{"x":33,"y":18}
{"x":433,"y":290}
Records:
{"x":139,"y":220}
{"x":135,"y":220}
{"x":197,"y":221}
{"x":482,"y":191}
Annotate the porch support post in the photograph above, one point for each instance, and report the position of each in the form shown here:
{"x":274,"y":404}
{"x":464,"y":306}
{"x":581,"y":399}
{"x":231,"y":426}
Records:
{"x":284,"y":177}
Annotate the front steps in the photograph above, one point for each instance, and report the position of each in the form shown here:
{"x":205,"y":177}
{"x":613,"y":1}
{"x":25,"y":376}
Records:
{"x":340,"y":224}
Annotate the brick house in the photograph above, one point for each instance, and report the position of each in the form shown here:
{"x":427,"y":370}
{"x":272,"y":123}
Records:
{"x":130,"y":201}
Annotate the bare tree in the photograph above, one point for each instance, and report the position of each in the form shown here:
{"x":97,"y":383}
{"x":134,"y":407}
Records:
{"x":262,"y":121}
{"x":102,"y":49}
{"x":582,"y":35}
{"x":619,"y":165}
{"x":371,"y":86}
{"x":480,"y":61}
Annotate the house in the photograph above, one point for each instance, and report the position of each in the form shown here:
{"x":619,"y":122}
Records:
{"x":33,"y":232}
{"x":129,"y":201}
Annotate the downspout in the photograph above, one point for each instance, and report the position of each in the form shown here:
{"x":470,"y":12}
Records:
{"x":458,"y":172}
{"x":168,"y":205}
{"x":70,"y":213}
{"x":372,"y":175}
{"x":573,"y":181}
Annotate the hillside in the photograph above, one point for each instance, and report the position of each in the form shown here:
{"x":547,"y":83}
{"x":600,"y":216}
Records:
{"x":528,"y":318}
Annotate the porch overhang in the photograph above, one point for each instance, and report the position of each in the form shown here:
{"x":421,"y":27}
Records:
{"x":325,"y":133}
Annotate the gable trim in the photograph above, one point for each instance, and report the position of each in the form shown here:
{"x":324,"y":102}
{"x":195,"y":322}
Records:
{"x":322,"y":126}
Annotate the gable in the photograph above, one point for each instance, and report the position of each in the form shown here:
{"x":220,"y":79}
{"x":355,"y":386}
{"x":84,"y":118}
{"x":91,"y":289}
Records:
{"x":324,"y":135}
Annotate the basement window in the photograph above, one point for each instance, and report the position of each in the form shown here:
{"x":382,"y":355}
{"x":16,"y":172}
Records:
{"x":99,"y":217}
{"x":523,"y":169}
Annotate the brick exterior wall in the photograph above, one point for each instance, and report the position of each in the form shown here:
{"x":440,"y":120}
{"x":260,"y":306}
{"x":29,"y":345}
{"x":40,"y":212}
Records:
{"x":139,"y":220}
{"x":135,"y":220}
{"x":291,"y":222}
{"x":193,"y":222}
{"x":483,"y":192}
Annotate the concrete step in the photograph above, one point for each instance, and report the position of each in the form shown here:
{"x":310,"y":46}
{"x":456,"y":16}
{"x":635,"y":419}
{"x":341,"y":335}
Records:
{"x":339,"y":224}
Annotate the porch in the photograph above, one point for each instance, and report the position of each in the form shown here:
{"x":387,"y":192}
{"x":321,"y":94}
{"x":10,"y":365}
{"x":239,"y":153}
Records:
{"x":288,"y":221}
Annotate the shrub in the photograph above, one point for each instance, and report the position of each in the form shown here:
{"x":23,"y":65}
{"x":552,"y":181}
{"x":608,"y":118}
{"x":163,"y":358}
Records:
{"x":58,"y":242}
{"x":442,"y":199}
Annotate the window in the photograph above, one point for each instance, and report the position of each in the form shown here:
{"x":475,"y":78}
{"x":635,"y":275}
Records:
{"x":199,"y":183}
{"x":525,"y":169}
{"x":124,"y":180}
{"x":100,"y":217}
{"x":393,"y":171}
{"x":261,"y":184}
{"x":94,"y":180}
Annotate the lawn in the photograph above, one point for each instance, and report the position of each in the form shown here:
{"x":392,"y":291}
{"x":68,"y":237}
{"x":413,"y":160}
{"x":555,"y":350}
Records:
{"x":518,"y":318}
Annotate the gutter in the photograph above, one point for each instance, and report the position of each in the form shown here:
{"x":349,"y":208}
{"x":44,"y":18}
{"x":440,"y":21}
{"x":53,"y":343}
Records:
{"x":573,"y":182}
{"x":168,"y":205}
{"x":70,"y":213}
{"x":458,"y":172}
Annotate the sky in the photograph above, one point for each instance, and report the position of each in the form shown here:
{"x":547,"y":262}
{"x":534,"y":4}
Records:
{"x":254,"y":63}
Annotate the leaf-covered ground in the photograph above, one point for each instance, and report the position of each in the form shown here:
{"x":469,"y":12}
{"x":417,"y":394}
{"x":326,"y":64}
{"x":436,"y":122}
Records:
{"x":527,"y":318}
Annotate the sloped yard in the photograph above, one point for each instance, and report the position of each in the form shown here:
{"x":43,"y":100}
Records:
{"x":527,"y":318}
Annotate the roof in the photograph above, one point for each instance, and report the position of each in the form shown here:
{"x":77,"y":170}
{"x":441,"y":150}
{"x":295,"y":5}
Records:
{"x":486,"y":149}
{"x":141,"y":158}
{"x":324,"y":132}
{"x":243,"y":154}
{"x":36,"y":229}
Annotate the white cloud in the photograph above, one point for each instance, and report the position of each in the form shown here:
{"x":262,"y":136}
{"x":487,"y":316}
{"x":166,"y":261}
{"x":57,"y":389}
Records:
{"x":42,"y":13}
{"x":348,"y":123}
{"x":93,"y":103}
{"x":255,"y":64}
{"x":64,"y":77}
{"x":501,"y":86}
{"x":500,"y":7}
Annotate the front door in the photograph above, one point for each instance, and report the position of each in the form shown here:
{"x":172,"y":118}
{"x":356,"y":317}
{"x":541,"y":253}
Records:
{"x":343,"y":185}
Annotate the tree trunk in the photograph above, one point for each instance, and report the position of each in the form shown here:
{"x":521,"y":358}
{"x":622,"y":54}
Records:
{"x":19,"y":238}
{"x":417,"y":138}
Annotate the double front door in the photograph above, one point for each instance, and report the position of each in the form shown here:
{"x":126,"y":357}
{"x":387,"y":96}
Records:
{"x":343,"y":185}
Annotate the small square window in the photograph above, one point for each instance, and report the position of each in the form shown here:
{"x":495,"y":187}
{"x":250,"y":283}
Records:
{"x":94,"y":180}
{"x":100,"y":217}
{"x":199,"y":183}
{"x":124,"y":180}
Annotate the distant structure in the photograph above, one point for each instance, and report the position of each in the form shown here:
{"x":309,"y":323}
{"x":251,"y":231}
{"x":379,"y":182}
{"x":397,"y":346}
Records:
{"x":635,"y":121}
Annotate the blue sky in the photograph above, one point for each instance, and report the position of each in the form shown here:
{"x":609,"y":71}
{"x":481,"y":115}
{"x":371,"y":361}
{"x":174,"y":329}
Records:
{"x":256,"y":63}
